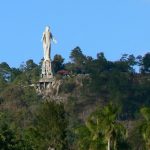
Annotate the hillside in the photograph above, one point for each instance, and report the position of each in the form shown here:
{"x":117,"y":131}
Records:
{"x":31,"y":120}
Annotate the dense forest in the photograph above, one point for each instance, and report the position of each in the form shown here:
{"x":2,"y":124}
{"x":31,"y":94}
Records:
{"x":106,"y":104}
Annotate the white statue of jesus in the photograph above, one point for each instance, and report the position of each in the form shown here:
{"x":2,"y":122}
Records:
{"x":46,"y":39}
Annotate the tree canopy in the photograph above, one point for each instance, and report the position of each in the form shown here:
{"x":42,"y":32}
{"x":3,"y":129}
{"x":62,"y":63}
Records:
{"x":105,"y":104}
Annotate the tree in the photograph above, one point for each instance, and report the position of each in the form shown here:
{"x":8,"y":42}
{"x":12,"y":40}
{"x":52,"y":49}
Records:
{"x":86,"y":139}
{"x":77,"y":56}
{"x":14,"y":73}
{"x":107,"y":126}
{"x":146,"y":63}
{"x":9,"y":138}
{"x":89,"y":136}
{"x":57,"y":63}
{"x":3,"y":83}
{"x":5,"y":71}
{"x":102,"y":130}
{"x":78,"y":60}
{"x":50,"y":126}
{"x":30,"y":65}
{"x":113,"y":130}
{"x":135,"y":138}
{"x":29,"y":73}
{"x":129,"y":62}
{"x":145,"y":126}
{"x":4,"y":66}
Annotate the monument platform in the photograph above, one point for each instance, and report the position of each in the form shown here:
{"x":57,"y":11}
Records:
{"x":46,"y":80}
{"x":44,"y":83}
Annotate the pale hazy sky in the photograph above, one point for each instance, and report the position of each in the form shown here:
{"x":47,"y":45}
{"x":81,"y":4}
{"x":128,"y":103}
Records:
{"x":112,"y":26}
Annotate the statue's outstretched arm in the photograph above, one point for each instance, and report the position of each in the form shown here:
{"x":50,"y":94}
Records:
{"x":53,"y":39}
{"x":42,"y":37}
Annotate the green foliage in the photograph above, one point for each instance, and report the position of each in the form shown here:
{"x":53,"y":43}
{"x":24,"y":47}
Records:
{"x":102,"y":126}
{"x":145,"y":126}
{"x":30,"y":123}
{"x":9,"y":138}
{"x":50,"y":126}
{"x":4,"y":66}
{"x":57,"y":63}
{"x":3,"y":83}
{"x":77,"y":56}
{"x":30,"y":65}
{"x":135,"y":138}
{"x":87,"y":141}
{"x":14,"y":73}
{"x":78,"y":61}
{"x":146,"y":64}
{"x":68,"y":86}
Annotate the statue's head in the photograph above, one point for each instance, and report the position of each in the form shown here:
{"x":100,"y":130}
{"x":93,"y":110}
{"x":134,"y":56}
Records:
{"x":47,"y":28}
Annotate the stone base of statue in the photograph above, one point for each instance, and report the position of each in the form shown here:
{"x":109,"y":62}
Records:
{"x":46,"y":69}
{"x":48,"y":85}
{"x":46,"y":75}
{"x":49,"y":88}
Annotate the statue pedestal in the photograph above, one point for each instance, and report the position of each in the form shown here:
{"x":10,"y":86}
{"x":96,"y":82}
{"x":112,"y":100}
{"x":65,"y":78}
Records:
{"x":46,"y":75}
{"x":46,"y":69}
{"x":44,"y":83}
{"x":48,"y":85}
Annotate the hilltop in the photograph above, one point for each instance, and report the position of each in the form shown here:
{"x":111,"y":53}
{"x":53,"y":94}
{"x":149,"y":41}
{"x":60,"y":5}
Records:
{"x":82,"y":86}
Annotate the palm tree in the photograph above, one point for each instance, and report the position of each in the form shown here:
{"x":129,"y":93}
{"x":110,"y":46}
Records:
{"x":112,"y":129}
{"x":89,"y":135}
{"x":145,"y":126}
{"x":101,"y":130}
{"x":89,"y":140}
